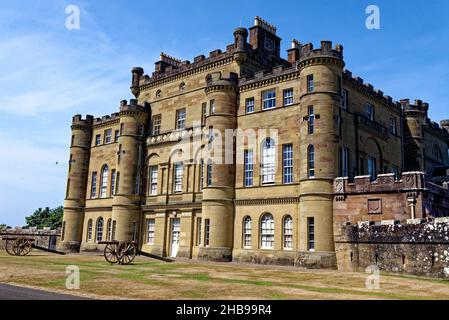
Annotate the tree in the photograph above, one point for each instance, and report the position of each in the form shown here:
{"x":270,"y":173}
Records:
{"x":4,"y":226}
{"x":47,"y":217}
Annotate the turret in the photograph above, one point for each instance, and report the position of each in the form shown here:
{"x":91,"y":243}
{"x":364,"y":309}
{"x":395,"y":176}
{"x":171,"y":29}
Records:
{"x":240,"y":42}
{"x":130,"y":154}
{"x":415,"y":116}
{"x":320,"y":98}
{"x":218,"y":195}
{"x":137,"y":72}
{"x":445,"y":125}
{"x":74,"y":203}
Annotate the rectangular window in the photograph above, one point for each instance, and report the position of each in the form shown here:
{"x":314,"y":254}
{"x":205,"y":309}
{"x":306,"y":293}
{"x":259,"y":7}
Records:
{"x":288,"y":97}
{"x":93,"y":190}
{"x":372,"y":172}
{"x":113,"y":182}
{"x":108,"y":136}
{"x":203,"y":113}
{"x":73,"y":139}
{"x":287,"y":163}
{"x":269,"y":99}
{"x":181,"y":119}
{"x":206,"y":232}
{"x":311,"y":120}
{"x":249,"y":105}
{"x":116,"y":135}
{"x":344,"y":102}
{"x":212,"y":106}
{"x":311,"y":161}
{"x":311,"y":234}
{"x":310,"y":86}
{"x":209,"y":173}
{"x":97,"y":140}
{"x":395,"y":170}
{"x":150,"y":231}
{"x":153,"y":180}
{"x":178,"y":174}
{"x":344,"y":162}
{"x":198,"y":232}
{"x":248,"y":167}
{"x":156,"y":125}
{"x":393,"y":125}
{"x":201,"y":174}
{"x":369,"y":110}
{"x":141,"y":130}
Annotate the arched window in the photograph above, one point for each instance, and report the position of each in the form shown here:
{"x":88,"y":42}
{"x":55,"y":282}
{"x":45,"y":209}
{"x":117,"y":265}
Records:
{"x":267,"y":232}
{"x":182,"y":86}
{"x":288,"y":233}
{"x":104,"y":181}
{"x":247,"y":224}
{"x":109,"y":226}
{"x":100,"y":223}
{"x":158,"y":94}
{"x":437,"y":154}
{"x":89,"y":230}
{"x":268,"y":160}
{"x":311,"y":161}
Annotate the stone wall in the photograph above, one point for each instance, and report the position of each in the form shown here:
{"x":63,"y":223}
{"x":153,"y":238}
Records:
{"x":417,"y":248}
{"x":46,"y":238}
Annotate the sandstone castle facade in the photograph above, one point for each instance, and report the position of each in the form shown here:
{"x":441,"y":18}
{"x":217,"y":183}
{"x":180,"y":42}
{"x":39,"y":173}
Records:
{"x":269,"y":197}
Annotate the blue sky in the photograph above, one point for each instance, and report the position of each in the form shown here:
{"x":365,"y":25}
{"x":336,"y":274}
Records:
{"x":49,"y":73}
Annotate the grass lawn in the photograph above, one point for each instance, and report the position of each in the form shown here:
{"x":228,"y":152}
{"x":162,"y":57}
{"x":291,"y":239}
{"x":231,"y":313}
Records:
{"x":152,"y":279}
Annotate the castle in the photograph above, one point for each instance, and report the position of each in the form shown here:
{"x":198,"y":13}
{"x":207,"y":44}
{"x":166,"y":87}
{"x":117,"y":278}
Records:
{"x":236,"y":156}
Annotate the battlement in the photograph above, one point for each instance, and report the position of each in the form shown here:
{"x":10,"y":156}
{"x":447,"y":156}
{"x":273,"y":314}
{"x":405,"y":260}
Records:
{"x":169,"y":59}
{"x":266,"y":75}
{"x":78,"y":120}
{"x":259,"y":22}
{"x":106,"y":118}
{"x":132,"y":106}
{"x":307,"y":51}
{"x":418,"y":106}
{"x":219,"y":79}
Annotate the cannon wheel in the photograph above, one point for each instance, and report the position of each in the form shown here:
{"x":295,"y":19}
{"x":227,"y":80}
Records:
{"x":10,"y":244}
{"x":127,"y":252}
{"x":22,"y":247}
{"x":111,"y":253}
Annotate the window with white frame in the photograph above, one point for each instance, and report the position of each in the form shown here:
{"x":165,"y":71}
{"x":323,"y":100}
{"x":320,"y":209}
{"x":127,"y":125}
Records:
{"x":113,"y":175}
{"x":248,"y":167}
{"x":100,"y":223}
{"x":150,"y":231}
{"x":206,"y":232}
{"x":268,"y":160}
{"x":209,"y":173}
{"x":311,"y":234}
{"x":247,"y":232}
{"x":343,"y":162}
{"x":153,"y":180}
{"x":310,"y":85}
{"x":89,"y":230}
{"x":181,"y":119}
{"x":288,"y":97}
{"x":104,"y":181}
{"x":288,"y":233}
{"x":198,"y":226}
{"x":311,"y":119}
{"x":97,"y":139}
{"x":267,"y":232}
{"x":201,"y":174}
{"x":178,"y":175}
{"x":156,"y":125}
{"x":108,"y":136}
{"x":369,"y":110}
{"x":287,"y":162}
{"x":393,"y":127}
{"x":372,"y":170}
{"x":93,"y":188}
{"x":249,"y":105}
{"x":311,"y":161}
{"x":269,"y":99}
{"x":203,"y":113}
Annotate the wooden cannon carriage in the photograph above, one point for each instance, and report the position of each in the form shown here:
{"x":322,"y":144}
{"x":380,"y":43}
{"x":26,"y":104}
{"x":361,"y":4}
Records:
{"x":21,"y":245}
{"x":122,"y":252}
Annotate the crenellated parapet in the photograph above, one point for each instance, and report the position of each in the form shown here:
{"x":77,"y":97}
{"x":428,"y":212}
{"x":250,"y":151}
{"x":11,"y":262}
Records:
{"x":419,"y":108}
{"x":323,"y":55}
{"x":218,"y":82}
{"x":131,"y":108}
{"x":266,"y":78}
{"x":79,"y":123}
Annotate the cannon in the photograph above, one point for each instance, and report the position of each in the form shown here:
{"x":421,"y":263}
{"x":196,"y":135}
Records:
{"x":122,"y":252}
{"x":21,"y":245}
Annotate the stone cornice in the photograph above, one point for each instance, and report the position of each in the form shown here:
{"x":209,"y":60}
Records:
{"x":320,"y":60}
{"x":269,"y":81}
{"x":251,"y":202}
{"x":219,"y":88}
{"x":106,"y":123}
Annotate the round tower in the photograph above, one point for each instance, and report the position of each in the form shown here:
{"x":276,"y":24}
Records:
{"x":218,"y":193}
{"x":320,"y":99}
{"x":137,"y":72}
{"x":240,"y":42}
{"x":126,"y":202}
{"x":74,"y":203}
{"x":415,"y":116}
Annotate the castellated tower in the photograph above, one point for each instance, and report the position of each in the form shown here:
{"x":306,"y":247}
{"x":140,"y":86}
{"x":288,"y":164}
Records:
{"x":218,"y":195}
{"x":320,"y":99}
{"x":75,"y":199}
{"x":126,"y":203}
{"x":415,"y":116}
